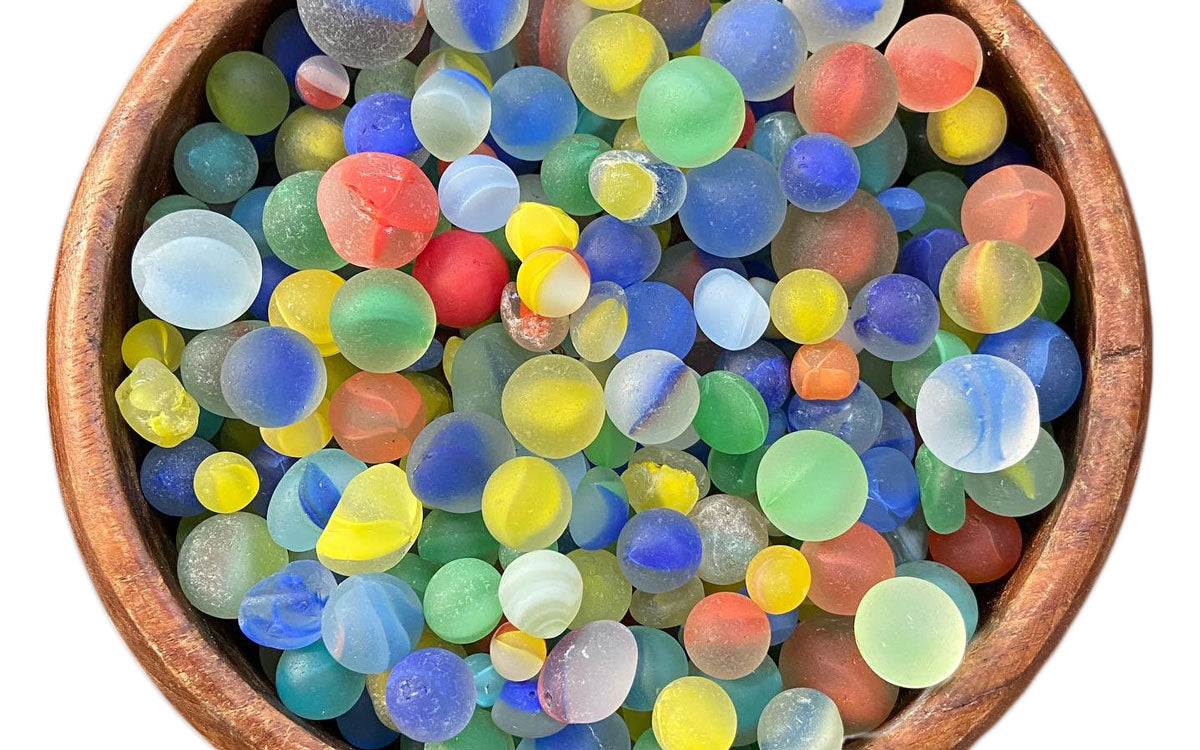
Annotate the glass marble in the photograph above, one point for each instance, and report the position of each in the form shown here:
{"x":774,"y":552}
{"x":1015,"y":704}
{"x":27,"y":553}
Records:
{"x":691,"y":111}
{"x":371,"y":622}
{"x":938,"y":61}
{"x":760,"y":42}
{"x":526,"y":503}
{"x":553,"y":405}
{"x":726,"y":635}
{"x":659,"y":549}
{"x":452,"y":458}
{"x":800,"y":718}
{"x":855,"y":243}
{"x":589,"y":673}
{"x":1048,"y":356}
{"x":610,"y":60}
{"x":732,"y":416}
{"x":970,"y":131}
{"x":978,"y":413}
{"x":990,"y":286}
{"x":374,"y":524}
{"x":635,"y":187}
{"x":732,"y":531}
{"x":476,"y":25}
{"x":599,"y":509}
{"x":848,"y":90}
{"x":651,"y":396}
{"x":312,"y":685}
{"x":451,"y":113}
{"x":812,"y":485}
{"x":778,"y":579}
{"x":830,"y":21}
{"x":985,"y":548}
{"x":819,"y":172}
{"x":826,"y":371}
{"x":895,"y":317}
{"x":734,"y":207}
{"x":217,"y":258}
{"x":910,"y":632}
{"x":364,"y":33}
{"x":461,"y":603}
{"x":856,"y":419}
{"x":222,"y":558}
{"x":532,"y":109}
{"x":431,"y":695}
{"x":1024,"y":488}
{"x":273,"y":377}
{"x":310,"y":139}
{"x":952,"y":583}
{"x":808,"y":306}
{"x":378,"y":209}
{"x":215,"y":164}
{"x":155,"y":404}
{"x":694,"y":713}
{"x":478,"y":193}
{"x":382,"y":320}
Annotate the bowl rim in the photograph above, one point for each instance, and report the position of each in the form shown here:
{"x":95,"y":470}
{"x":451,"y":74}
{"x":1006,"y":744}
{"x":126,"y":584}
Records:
{"x":98,"y":476}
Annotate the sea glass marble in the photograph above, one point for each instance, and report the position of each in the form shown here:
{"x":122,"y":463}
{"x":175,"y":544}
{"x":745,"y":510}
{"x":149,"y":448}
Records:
{"x":371,"y":622}
{"x":378,"y":209}
{"x":800,"y":718}
{"x":363,"y":33}
{"x":830,"y":21}
{"x":461,"y":601}
{"x":224,"y":557}
{"x":691,"y":111}
{"x":312,"y":685}
{"x":978,"y":413}
{"x":822,"y":655}
{"x":374,"y":524}
{"x":155,"y":404}
{"x":610,"y":60}
{"x":553,"y":405}
{"x":812,"y":485}
{"x":589,"y":673}
{"x":283,"y":610}
{"x":910,"y":632}
{"x":694,"y":713}
{"x":760,"y":42}
{"x":937,"y":59}
{"x":431,"y":695}
{"x":652,"y":396}
{"x":726,"y":635}
{"x":846,"y":567}
{"x":847,"y":90}
{"x":659,"y":549}
{"x":216,"y":258}
{"x":541,"y":593}
{"x":526,"y":503}
{"x":734,"y":207}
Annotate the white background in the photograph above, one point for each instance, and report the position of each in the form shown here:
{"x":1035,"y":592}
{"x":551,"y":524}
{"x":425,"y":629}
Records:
{"x":1126,"y":672}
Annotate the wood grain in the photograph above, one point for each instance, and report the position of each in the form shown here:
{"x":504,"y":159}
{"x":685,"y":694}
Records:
{"x":205,"y":673}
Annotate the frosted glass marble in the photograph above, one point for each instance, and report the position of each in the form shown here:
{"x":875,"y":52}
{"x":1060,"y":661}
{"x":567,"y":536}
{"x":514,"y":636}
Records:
{"x":478,"y":193}
{"x":541,"y":592}
{"x":978,"y":413}
{"x":730,"y":310}
{"x":589,"y":673}
{"x":800,"y":719}
{"x":196,"y":269}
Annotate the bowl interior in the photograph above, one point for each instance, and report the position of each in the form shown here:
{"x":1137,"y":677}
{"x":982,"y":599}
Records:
{"x":1022,"y":616}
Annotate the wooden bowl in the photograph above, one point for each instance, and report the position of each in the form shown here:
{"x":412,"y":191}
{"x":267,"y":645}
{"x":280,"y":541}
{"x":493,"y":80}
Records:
{"x":206,"y":671}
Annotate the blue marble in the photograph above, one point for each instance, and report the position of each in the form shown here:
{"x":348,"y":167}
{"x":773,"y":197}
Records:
{"x":167,"y":474}
{"x":271,"y":467}
{"x":532,"y":109}
{"x":819,"y":172}
{"x":519,"y":712}
{"x":659,"y":550}
{"x":618,"y":252}
{"x":1048,"y":356}
{"x":248,"y":213}
{"x":284,"y":609}
{"x":734,"y":207}
{"x":896,"y":432}
{"x":431,"y":695}
{"x":905,"y":205}
{"x":288,"y":44}
{"x":371,"y":622}
{"x":599,"y":509}
{"x":381,"y":122}
{"x":488,"y":682}
{"x":453,"y":457}
{"x":925,"y":256}
{"x":978,"y":413}
{"x":893,"y":492}
{"x":895,"y":317}
{"x":361,"y":727}
{"x":273,"y":377}
{"x":857,"y":419}
{"x":767,"y":369}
